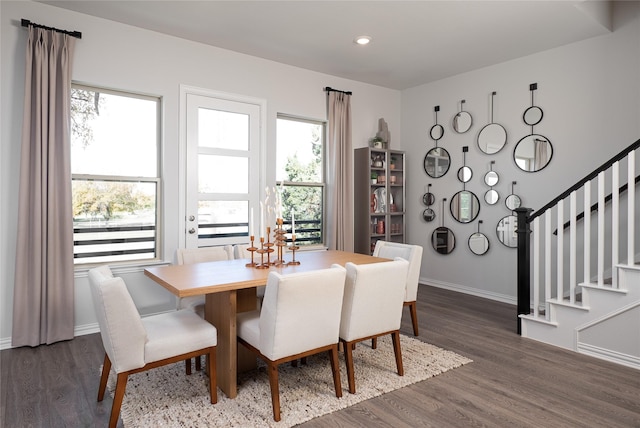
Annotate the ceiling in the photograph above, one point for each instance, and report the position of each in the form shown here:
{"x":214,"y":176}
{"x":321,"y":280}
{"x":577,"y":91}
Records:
{"x":414,"y":42}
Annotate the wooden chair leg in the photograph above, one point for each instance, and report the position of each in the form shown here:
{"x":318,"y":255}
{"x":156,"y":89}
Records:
{"x":275,"y":391}
{"x":374,"y":343}
{"x":211,"y":368}
{"x":121,"y":385}
{"x":198,"y":364}
{"x":335,"y":368}
{"x":187,"y":366}
{"x":397,"y":351}
{"x":348,"y":359}
{"x":106,"y":368}
{"x":414,"y":317}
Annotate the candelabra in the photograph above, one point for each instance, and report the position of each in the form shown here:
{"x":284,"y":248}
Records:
{"x":293,"y":249}
{"x":280,"y":241}
{"x":251,"y":249}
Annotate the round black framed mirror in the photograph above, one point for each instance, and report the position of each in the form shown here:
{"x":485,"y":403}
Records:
{"x":533,"y":115}
{"x":462,"y":122}
{"x":443,"y":240}
{"x":506,"y":231}
{"x":464,"y":206}
{"x":428,"y":198}
{"x":492,"y":138}
{"x":478,"y":243}
{"x":533,"y":153}
{"x":464,"y":174}
{"x":491,"y":197}
{"x":428,"y":215}
{"x":512,"y":202}
{"x":436,"y":132}
{"x":437,"y":162}
{"x":491,"y":178}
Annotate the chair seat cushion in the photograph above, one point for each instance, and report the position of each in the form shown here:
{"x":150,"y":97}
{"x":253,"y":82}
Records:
{"x":176,"y":333}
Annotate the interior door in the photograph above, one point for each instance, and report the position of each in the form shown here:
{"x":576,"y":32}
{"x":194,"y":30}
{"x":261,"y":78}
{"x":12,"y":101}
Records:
{"x":222,"y":171}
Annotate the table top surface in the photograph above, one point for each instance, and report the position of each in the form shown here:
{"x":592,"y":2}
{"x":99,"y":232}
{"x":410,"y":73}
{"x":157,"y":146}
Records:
{"x":225,"y":275}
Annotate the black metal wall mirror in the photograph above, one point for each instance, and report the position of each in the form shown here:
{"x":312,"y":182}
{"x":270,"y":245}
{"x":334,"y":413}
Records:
{"x":493,"y":137}
{"x":428,"y":199}
{"x":437,"y":162}
{"x":534,"y":151}
{"x":464,"y":206}
{"x":513,"y":201}
{"x":465,"y":173}
{"x":478,"y":242}
{"x":506,"y":231}
{"x":462,"y":121}
{"x":442,"y":239}
{"x":491,"y":178}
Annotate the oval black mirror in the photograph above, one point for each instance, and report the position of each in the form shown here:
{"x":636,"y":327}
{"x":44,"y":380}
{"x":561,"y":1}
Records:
{"x":532,"y":115}
{"x":428,"y":198}
{"x":506,"y":231}
{"x":491,"y":178}
{"x":437,"y":162}
{"x":443,"y":240}
{"x":428,"y":215}
{"x":462,"y":122}
{"x":492,"y":138}
{"x":464,"y":206}
{"x":512,"y":202}
{"x":436,"y":132}
{"x":491,"y":197}
{"x":533,"y":153}
{"x":464,"y":174}
{"x":478,"y":243}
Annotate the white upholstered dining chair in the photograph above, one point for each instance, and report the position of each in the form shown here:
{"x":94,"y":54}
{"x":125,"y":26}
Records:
{"x":372,"y":307}
{"x":187,"y":256}
{"x":413,"y":254}
{"x":300,"y":316}
{"x":133,"y":344}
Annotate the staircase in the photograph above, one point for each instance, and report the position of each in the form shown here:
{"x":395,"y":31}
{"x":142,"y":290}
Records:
{"x":578,"y":283}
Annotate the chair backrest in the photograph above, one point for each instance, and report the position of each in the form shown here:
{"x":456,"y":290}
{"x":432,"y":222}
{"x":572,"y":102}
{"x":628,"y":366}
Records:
{"x":301,"y":311}
{"x":412,"y":254}
{"x":122,"y":331}
{"x":240,"y":251}
{"x":373,"y":297}
{"x":187,"y":256}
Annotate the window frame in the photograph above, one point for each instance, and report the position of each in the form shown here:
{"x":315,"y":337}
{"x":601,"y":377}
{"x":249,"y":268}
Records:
{"x":310,"y":184}
{"x":156,"y":180}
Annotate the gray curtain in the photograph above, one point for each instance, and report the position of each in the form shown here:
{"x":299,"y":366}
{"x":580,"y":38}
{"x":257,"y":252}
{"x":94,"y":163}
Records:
{"x":339,"y":172}
{"x":43,"y":290}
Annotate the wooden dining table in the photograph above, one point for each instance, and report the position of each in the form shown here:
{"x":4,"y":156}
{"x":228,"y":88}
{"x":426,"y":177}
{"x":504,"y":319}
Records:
{"x":230,"y":288}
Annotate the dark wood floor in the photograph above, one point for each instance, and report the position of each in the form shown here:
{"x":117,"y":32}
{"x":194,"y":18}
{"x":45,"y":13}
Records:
{"x":513,"y":382}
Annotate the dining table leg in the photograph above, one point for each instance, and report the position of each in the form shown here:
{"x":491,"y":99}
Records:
{"x":220,"y":310}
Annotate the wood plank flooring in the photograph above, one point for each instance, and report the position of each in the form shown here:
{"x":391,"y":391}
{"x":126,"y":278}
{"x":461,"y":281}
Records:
{"x":513,"y":382}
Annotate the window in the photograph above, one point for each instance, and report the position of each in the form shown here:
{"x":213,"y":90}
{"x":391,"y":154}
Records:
{"x":300,"y":167}
{"x":115,"y":175}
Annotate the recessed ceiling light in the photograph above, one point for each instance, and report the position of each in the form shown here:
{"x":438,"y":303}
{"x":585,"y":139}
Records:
{"x":362,"y":40}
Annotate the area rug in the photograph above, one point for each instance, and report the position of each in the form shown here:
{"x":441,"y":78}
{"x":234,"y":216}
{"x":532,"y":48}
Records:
{"x":166,"y":397}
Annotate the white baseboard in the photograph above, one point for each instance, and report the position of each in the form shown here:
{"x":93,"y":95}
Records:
{"x":609,"y":355}
{"x":469,"y":290}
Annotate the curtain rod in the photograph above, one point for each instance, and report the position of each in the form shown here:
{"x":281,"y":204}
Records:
{"x":76,"y":34}
{"x":329,"y":89}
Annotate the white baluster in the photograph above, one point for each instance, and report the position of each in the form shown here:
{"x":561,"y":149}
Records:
{"x":631,"y":203}
{"x":615,"y":215}
{"x":601,"y":210}
{"x":587,"y":232}
{"x":547,"y":261}
{"x":560,"y":250}
{"x":572,"y":248}
{"x":536,"y":267}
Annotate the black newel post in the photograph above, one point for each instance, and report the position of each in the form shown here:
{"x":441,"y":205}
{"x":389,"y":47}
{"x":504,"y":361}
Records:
{"x":524,"y":266}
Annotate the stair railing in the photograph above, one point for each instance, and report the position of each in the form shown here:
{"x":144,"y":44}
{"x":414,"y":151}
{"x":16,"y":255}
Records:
{"x":542,"y":268}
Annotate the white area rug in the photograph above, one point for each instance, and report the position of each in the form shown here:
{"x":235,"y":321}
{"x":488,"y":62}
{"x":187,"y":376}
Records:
{"x":166,"y":397}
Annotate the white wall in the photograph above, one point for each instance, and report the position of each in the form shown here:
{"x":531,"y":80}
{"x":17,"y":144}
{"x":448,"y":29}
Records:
{"x":590,"y":94}
{"x":127,"y":58}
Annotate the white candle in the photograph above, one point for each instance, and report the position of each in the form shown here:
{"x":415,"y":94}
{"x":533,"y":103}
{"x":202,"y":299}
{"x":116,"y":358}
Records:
{"x":251,"y":223}
{"x":279,"y":215}
{"x":293,"y":222}
{"x":261,"y":220}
